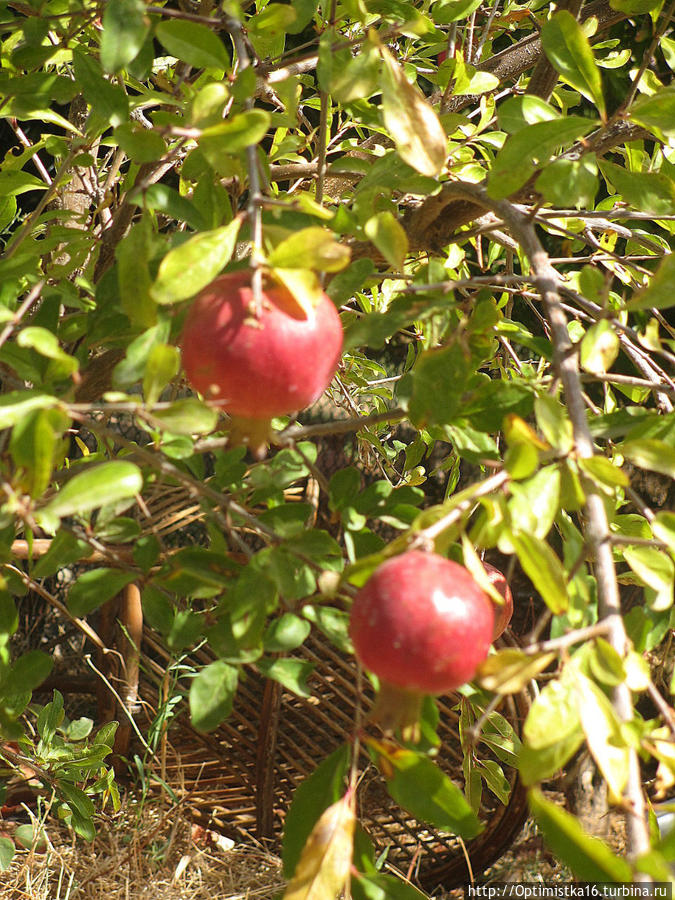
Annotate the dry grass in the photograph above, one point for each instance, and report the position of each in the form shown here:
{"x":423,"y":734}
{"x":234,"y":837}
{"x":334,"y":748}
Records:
{"x":152,"y":854}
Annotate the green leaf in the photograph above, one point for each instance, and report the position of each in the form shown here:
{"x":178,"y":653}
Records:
{"x":234,"y":135}
{"x":388,"y":235}
{"x":95,"y":587}
{"x":410,"y":120}
{"x":187,"y":269}
{"x":530,"y":149}
{"x":47,"y":344}
{"x":334,"y":623}
{"x":599,"y":348}
{"x":312,"y":797}
{"x":650,"y":192}
{"x":651,"y":454}
{"x":381,"y":886}
{"x":28,"y":672}
{"x":535,"y":502}
{"x":15,"y":405}
{"x":212,"y":693}
{"x":354,"y":79}
{"x":663,"y":528}
{"x":286,"y":633}
{"x":657,"y":113}
{"x":167,"y":200}
{"x":554,"y":422}
{"x":140,"y":144}
{"x":98,"y":485}
{"x":310,"y":248}
{"x":517,"y":112}
{"x":602,"y":470}
{"x":134,"y":279}
{"x":193,"y":43}
{"x":107,"y":100}
{"x":291,"y":673}
{"x":132,"y":368}
{"x":163,"y":365}
{"x":188,"y":416}
{"x":454,"y":10}
{"x":659,"y":292}
{"x":554,"y":715}
{"x":569,"y":182}
{"x":438,"y":382}
{"x":603,"y":735}
{"x":636,"y":7}
{"x":544,"y":570}
{"x":420,"y":787}
{"x":540,"y":764}
{"x":586,"y":856}
{"x":6,"y":853}
{"x":33,"y":447}
{"x":655,"y":569}
{"x":569,"y":52}
{"x":125,"y":28}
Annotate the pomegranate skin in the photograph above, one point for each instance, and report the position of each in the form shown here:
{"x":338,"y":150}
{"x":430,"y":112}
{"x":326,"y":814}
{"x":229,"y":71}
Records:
{"x":504,"y":612}
{"x":259,"y":368}
{"x":422,"y":624}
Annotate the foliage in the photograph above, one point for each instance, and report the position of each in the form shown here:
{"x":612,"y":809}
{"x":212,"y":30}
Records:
{"x":495,"y":224}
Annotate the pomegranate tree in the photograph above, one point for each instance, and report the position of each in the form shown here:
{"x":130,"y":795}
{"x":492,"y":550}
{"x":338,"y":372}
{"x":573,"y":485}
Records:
{"x":504,"y":611}
{"x":423,"y":626}
{"x":258,"y":363}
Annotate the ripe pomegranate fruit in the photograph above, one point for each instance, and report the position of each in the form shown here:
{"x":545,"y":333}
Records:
{"x":258,"y":367}
{"x":422,"y":625}
{"x":504,"y":612}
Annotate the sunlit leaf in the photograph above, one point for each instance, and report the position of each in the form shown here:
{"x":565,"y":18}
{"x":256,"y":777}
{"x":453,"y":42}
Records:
{"x":414,"y":126}
{"x":125,"y":27}
{"x":419,"y":786}
{"x":567,"y":48}
{"x":212,"y":693}
{"x":98,"y":485}
{"x":193,"y":43}
{"x":651,"y":454}
{"x":310,"y":248}
{"x":544,"y":569}
{"x":510,"y":671}
{"x":188,"y":268}
{"x":587,"y":857}
{"x":659,"y":293}
{"x":389,"y":236}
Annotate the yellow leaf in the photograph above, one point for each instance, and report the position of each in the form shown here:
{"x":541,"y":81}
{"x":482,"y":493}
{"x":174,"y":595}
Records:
{"x":510,"y":671}
{"x":410,"y":120}
{"x":325,"y":863}
{"x":303,"y":286}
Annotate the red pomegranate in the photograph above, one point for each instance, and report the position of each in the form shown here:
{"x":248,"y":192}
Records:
{"x":504,"y":612}
{"x":422,"y":625}
{"x":258,"y":367}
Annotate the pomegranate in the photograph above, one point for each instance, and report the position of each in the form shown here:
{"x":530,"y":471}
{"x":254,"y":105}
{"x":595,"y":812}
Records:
{"x":422,"y":625}
{"x":503,"y":612}
{"x":258,"y":367}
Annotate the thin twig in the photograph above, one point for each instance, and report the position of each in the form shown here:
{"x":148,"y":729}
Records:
{"x":31,"y":297}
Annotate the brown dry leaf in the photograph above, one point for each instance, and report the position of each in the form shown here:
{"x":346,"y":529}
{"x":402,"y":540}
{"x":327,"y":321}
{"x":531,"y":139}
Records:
{"x":410,"y":120}
{"x":323,"y":869}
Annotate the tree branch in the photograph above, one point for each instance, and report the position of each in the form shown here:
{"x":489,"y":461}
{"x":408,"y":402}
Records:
{"x":597,"y":528}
